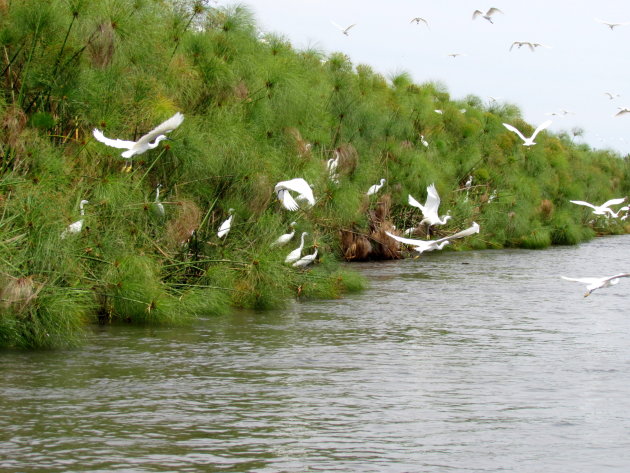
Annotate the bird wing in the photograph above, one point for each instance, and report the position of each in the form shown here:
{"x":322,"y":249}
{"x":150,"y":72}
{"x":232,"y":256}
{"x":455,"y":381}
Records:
{"x":336,"y":25}
{"x":225,"y":227}
{"x":515,"y":43}
{"x":581,"y":202}
{"x":287,"y":200}
{"x":492,"y":11}
{"x":433,"y":201}
{"x":613,"y":202}
{"x":541,"y":127}
{"x":621,"y":112}
{"x":515,"y":130}
{"x":98,"y":134}
{"x":414,"y":203}
{"x":474,"y":228}
{"x":348,"y":28}
{"x":476,"y":13}
{"x":582,"y":280}
{"x":615,"y":279}
{"x":162,"y":128}
{"x":407,"y":241}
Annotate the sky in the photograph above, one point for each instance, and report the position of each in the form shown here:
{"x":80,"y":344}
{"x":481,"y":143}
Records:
{"x":585,"y":58}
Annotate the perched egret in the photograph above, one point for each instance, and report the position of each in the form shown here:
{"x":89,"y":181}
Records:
{"x":298,"y":185}
{"x":487,"y":15}
{"x":528,"y":141}
{"x":601,"y":209}
{"x":375,"y":188}
{"x":146,"y":142}
{"x":342,"y":29}
{"x":305,"y":260}
{"x":593,"y":284}
{"x":424,"y":142}
{"x":295,"y":254}
{"x":157,"y":207}
{"x":225,"y":226}
{"x":438,"y":111}
{"x":77,"y":226}
{"x":286,"y":238}
{"x":468,"y":183}
{"x":430,"y":208}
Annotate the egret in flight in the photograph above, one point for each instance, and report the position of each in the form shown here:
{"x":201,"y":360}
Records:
{"x":77,"y":226}
{"x":298,"y":185}
{"x":487,"y":15}
{"x":610,"y":24}
{"x":430,"y":207}
{"x":430,"y":245}
{"x":342,"y":29}
{"x":149,"y":141}
{"x":528,"y":141}
{"x":593,"y":284}
{"x":418,"y":20}
{"x":601,"y":209}
{"x":225,"y":226}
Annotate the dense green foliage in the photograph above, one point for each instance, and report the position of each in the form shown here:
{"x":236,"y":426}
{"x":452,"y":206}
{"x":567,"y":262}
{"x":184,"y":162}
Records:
{"x":256,"y":112}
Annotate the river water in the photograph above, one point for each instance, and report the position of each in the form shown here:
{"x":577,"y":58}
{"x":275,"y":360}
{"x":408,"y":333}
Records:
{"x":453,"y":362}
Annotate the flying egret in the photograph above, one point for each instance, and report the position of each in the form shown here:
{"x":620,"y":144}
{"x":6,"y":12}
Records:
{"x":157,"y":207}
{"x":601,"y":209}
{"x":77,"y":226}
{"x":305,"y":260}
{"x":454,"y":55}
{"x":375,"y":188}
{"x":342,"y":29}
{"x":226,"y":225}
{"x":593,"y":284}
{"x":430,"y":245}
{"x":487,"y":15}
{"x":622,"y":111}
{"x":146,"y":142}
{"x":418,"y":20}
{"x":532,"y":46}
{"x":610,"y":24}
{"x":430,"y":208}
{"x":298,"y":185}
{"x":528,"y":141}
{"x":286,"y":238}
{"x":295,"y":254}
{"x":611,"y":95}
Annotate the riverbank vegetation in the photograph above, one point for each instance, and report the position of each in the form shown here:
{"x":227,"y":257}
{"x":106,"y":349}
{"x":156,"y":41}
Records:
{"x":257,"y":111}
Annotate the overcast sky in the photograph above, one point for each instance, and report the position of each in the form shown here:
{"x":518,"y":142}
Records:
{"x":585,"y":58}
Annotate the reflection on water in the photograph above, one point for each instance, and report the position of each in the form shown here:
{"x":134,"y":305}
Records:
{"x":456,"y":361}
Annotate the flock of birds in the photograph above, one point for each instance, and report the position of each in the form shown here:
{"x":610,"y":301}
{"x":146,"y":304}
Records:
{"x":295,"y":192}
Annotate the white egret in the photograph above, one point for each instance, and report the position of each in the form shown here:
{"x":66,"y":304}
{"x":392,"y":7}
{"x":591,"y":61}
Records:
{"x":344,"y":30}
{"x":332,"y":165}
{"x":622,"y":111}
{"x":295,"y":254}
{"x":305,"y":260}
{"x":226,"y":225}
{"x":610,"y":24}
{"x":438,"y":111}
{"x":593,"y":284}
{"x":375,"y":188}
{"x":298,"y":185}
{"x":424,"y":142}
{"x":454,"y":55}
{"x":611,"y":95}
{"x":600,"y":209}
{"x":286,"y":238}
{"x":418,"y":20}
{"x":532,"y":46}
{"x":487,"y":15}
{"x":157,"y":207}
{"x":468,"y":182}
{"x":529,"y":141}
{"x":422,"y":246}
{"x":146,"y":142}
{"x":77,"y":226}
{"x":430,"y":208}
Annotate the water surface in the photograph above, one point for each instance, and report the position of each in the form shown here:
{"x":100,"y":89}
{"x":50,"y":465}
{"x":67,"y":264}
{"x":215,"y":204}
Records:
{"x":454,"y":362}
